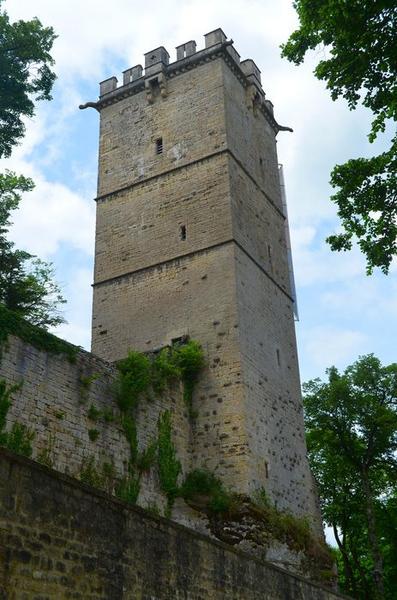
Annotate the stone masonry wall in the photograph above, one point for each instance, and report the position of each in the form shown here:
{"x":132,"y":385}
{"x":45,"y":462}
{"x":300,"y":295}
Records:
{"x":218,"y":176}
{"x":54,"y":403}
{"x":60,"y":539}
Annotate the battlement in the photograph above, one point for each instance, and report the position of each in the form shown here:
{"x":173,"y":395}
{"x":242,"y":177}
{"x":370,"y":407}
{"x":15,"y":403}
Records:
{"x":158,"y":68}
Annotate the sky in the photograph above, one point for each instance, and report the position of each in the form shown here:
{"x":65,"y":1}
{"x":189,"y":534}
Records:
{"x":343,"y":313}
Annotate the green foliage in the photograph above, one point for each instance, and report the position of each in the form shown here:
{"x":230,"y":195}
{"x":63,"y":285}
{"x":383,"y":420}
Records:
{"x":12,"y":324}
{"x":94,"y":413}
{"x":109,"y":476}
{"x":137,"y":373}
{"x":25,"y":75}
{"x":261,"y":498}
{"x":147,"y":458}
{"x":5,"y":401}
{"x":189,"y":358}
{"x":85,"y":382}
{"x":205,"y":484}
{"x":107,"y":415}
{"x":134,"y":378}
{"x":168,"y":465}
{"x":93,"y":434}
{"x":26,"y":282}
{"x":60,"y":415}
{"x":129,"y":428}
{"x":45,"y":457}
{"x":164,"y":370}
{"x":89,"y":473}
{"x":19,"y":439}
{"x":127,"y":489}
{"x":358,"y":41}
{"x":351,"y":423}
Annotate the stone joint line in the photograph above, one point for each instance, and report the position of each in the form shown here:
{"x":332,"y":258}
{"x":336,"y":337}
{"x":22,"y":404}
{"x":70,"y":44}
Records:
{"x":193,"y":253}
{"x":130,"y":186}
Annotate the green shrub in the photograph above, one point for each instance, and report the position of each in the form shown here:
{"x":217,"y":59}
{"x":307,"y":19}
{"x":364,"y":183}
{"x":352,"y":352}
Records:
{"x":134,"y":378}
{"x":93,"y":413}
{"x":164,"y":370}
{"x":93,"y":434}
{"x":108,"y":415}
{"x":203,"y":483}
{"x":189,"y":358}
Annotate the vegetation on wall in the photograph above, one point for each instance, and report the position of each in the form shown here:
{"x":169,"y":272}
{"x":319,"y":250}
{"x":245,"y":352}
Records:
{"x":205,"y":492}
{"x":138,"y":373}
{"x":168,"y":463}
{"x":204,"y":488}
{"x":12,"y":324}
{"x":19,"y":438}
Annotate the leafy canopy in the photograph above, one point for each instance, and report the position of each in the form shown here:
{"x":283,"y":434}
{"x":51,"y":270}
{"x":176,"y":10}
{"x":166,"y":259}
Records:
{"x":26,"y":282}
{"x":351,"y":423}
{"x":359,"y":39}
{"x":25,"y":75}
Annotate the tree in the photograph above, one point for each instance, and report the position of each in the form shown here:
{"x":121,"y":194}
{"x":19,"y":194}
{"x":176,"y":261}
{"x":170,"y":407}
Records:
{"x":360,"y":38}
{"x":351,"y":423}
{"x":26,"y":284}
{"x":25,"y":75}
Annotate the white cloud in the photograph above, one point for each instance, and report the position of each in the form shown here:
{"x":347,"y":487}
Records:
{"x":52,"y":215}
{"x":78,"y":309}
{"x":326,"y":346}
{"x":97,"y":40}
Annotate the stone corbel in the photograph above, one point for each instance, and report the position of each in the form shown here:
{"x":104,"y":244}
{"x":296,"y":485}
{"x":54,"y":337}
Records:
{"x":159,"y":81}
{"x":253,"y":98}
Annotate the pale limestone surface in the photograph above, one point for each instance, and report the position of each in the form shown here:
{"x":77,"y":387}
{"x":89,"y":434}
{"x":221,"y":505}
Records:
{"x":227,"y":284}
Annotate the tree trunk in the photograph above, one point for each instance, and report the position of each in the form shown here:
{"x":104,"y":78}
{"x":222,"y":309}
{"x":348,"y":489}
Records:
{"x":350,"y":580}
{"x":373,"y":538}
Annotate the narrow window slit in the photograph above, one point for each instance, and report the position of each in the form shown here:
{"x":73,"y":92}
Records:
{"x":159,"y":145}
{"x":278,"y":357}
{"x":182,"y":232}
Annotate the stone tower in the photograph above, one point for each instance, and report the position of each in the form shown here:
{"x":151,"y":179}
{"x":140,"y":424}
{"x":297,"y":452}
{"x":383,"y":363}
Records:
{"x":191,"y":241}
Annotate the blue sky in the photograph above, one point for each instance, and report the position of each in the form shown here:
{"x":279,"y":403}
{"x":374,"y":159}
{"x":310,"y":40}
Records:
{"x":343,"y":313}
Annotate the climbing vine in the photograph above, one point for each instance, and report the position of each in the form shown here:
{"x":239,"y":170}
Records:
{"x":168,"y":463}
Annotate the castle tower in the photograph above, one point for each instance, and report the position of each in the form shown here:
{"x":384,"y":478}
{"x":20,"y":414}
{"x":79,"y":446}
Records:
{"x":191,"y":241}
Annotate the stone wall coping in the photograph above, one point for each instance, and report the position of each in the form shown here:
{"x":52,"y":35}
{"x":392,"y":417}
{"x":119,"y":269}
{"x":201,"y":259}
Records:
{"x":30,"y":464}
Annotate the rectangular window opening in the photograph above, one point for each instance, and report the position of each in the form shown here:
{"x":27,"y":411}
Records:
{"x":159,"y":145}
{"x":266,"y":470}
{"x":278,"y":357}
{"x":182,"y":232}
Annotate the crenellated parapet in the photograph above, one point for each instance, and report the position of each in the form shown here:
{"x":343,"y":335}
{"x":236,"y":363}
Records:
{"x":158,"y":70}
